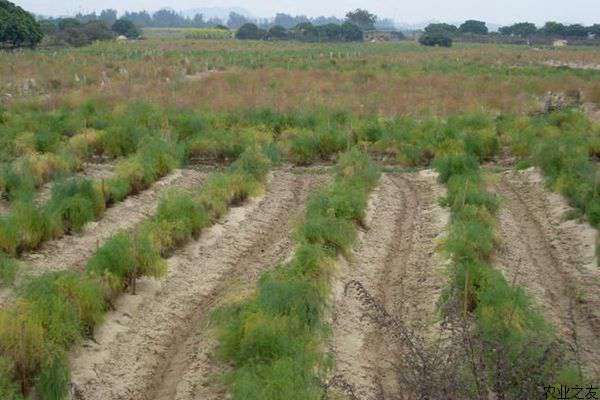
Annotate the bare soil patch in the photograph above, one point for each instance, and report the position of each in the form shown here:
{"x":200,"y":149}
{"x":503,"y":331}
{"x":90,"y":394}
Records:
{"x":553,"y":259}
{"x":394,"y":267}
{"x":157,"y":344}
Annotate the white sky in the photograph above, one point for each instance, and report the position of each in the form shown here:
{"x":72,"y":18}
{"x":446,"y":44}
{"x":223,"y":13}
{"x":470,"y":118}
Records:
{"x":494,"y":11}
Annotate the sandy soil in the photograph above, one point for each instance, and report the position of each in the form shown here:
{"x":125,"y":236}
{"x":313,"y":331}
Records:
{"x":574,"y":65}
{"x":154,"y":346}
{"x":395,"y":268}
{"x":72,"y":251}
{"x":554,"y":259}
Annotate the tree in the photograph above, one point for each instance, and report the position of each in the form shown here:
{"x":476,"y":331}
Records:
{"x":277,"y":32}
{"x":555,"y":29}
{"x":442,"y":28}
{"x":141,"y":18}
{"x":351,"y":32}
{"x":126,"y":28}
{"x":198,"y":21}
{"x":108,"y":16}
{"x":362,"y":18}
{"x":236,"y":20}
{"x":166,"y":18}
{"x":18,"y":28}
{"x":576,"y":30}
{"x":249,"y":31}
{"x":67,"y":23}
{"x":594,"y":30}
{"x":523,"y":29}
{"x":436,"y":39}
{"x":82,"y":34}
{"x":474,"y":27}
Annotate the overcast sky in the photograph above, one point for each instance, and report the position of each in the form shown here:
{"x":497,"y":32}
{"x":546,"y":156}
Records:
{"x":495,"y":11}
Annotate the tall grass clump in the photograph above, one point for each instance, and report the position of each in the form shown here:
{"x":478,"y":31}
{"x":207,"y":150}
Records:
{"x":53,"y":312}
{"x":564,"y":145}
{"x":274,"y":338}
{"x":515,"y":351}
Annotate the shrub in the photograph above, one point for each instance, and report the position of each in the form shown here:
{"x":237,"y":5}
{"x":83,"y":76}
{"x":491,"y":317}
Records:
{"x":114,"y":262}
{"x":9,"y":389}
{"x":54,"y":379}
{"x":8,"y":269}
{"x":126,"y":28}
{"x":249,"y":31}
{"x":66,"y":304}
{"x":455,"y":164}
{"x":436,"y":39}
{"x":178,"y":219}
{"x":22,"y":341}
{"x":76,"y":201}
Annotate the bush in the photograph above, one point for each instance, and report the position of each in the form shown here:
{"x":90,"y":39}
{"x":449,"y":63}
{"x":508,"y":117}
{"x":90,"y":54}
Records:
{"x":436,"y":39}
{"x":8,"y":269}
{"x":249,"y":32}
{"x":114,"y":262}
{"x":126,"y":28}
{"x":9,"y":389}
{"x":76,"y":201}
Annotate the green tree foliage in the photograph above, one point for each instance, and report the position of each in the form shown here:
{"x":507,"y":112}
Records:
{"x":68,"y":23}
{"x":236,"y":20}
{"x":109,"y":16}
{"x":277,"y":32}
{"x":126,"y":28}
{"x":73,"y":33}
{"x":576,"y":30}
{"x":522,"y":29}
{"x":442,"y":28}
{"x":436,"y":39}
{"x":362,"y":18}
{"x":474,"y":27}
{"x":18,"y":28}
{"x":249,"y":31}
{"x":555,"y":29}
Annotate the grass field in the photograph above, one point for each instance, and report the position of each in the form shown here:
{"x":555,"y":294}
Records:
{"x":281,"y":220}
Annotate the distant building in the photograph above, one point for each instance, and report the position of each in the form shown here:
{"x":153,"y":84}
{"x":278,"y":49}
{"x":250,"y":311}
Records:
{"x":560,"y":43}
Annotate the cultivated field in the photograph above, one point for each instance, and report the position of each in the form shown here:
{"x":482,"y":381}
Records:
{"x":207,"y":219}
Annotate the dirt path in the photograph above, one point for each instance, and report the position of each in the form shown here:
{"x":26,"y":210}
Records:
{"x":394,"y":266}
{"x":72,"y":251}
{"x":553,"y":259}
{"x":150,"y":348}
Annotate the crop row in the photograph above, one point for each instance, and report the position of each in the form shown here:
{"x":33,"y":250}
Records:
{"x":56,"y":310}
{"x":275,"y":338}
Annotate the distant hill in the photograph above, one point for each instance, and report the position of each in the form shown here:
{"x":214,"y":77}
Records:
{"x":212,"y":12}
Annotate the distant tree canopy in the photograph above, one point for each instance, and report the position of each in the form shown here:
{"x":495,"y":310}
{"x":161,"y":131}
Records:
{"x":18,"y":28}
{"x":474,"y":27}
{"x":362,"y":18}
{"x":249,"y":31}
{"x":71,"y":32}
{"x":441,"y":28}
{"x":433,"y":39}
{"x":304,"y":31}
{"x":236,"y":20}
{"x":126,"y":28}
{"x":522,"y":29}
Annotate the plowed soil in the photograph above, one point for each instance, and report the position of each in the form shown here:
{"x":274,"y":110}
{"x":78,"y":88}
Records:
{"x":554,"y":260}
{"x":157,"y":344}
{"x":394,"y":266}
